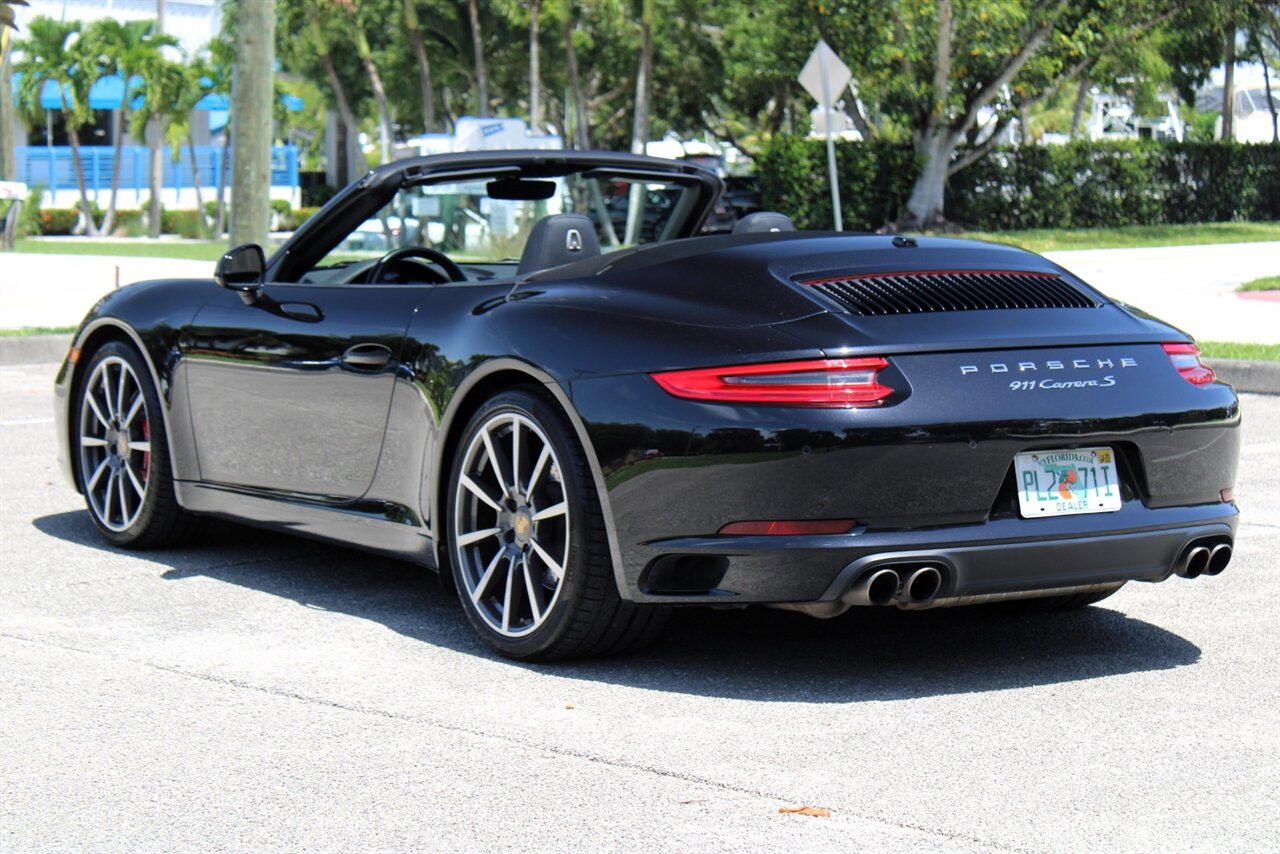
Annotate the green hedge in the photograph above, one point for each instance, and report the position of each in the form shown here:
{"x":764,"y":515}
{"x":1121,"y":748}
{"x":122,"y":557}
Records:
{"x":184,"y":223}
{"x":875,"y":180}
{"x":1080,"y":185}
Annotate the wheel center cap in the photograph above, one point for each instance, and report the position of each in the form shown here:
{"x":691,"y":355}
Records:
{"x":522,"y":525}
{"x":122,"y":444}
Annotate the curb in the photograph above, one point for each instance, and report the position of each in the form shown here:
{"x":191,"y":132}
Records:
{"x":33,"y":349}
{"x":1247,"y":375}
{"x":1244,"y":375}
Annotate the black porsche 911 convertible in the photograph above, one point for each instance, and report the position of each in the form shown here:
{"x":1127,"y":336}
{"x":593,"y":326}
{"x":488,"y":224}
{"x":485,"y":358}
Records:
{"x":461,"y":361}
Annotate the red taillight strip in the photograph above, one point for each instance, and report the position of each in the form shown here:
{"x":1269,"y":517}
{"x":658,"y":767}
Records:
{"x":826,"y":383}
{"x":1186,"y":359}
{"x":884,"y":275}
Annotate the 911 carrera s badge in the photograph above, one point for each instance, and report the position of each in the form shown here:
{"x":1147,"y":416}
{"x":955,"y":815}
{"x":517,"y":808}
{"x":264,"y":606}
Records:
{"x":1062,"y":483}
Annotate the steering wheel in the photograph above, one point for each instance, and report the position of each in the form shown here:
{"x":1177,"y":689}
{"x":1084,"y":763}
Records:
{"x":451,"y":270}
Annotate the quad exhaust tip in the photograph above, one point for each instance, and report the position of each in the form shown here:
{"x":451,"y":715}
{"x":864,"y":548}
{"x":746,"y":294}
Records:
{"x":921,"y":586}
{"x":1203,"y":557}
{"x":1219,"y":557}
{"x":876,"y":588}
{"x":914,"y":585}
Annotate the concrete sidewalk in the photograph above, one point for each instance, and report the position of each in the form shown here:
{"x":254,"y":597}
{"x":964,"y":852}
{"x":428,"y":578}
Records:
{"x":58,"y":290}
{"x":1192,"y":287}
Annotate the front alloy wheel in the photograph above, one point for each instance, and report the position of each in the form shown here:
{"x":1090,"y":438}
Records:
{"x":115,"y":444}
{"x":122,"y":452}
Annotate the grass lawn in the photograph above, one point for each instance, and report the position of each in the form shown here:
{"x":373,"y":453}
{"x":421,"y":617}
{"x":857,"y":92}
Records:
{"x":37,"y":330}
{"x":191,"y":250}
{"x":1038,"y":240}
{"x":1266,"y":283}
{"x":1132,"y":236}
{"x":1231,"y":350}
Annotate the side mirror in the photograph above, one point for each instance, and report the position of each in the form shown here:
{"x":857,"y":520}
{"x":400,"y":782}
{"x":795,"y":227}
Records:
{"x":241,"y":269}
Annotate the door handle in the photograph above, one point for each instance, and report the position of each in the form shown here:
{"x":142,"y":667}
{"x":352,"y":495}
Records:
{"x":367,"y":356}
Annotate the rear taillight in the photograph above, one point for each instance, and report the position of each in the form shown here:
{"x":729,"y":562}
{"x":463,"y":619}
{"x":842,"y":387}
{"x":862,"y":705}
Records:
{"x":1186,"y":358}
{"x":826,"y":383}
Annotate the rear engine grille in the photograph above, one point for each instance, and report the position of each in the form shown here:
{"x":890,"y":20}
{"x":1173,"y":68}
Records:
{"x":958,"y":290}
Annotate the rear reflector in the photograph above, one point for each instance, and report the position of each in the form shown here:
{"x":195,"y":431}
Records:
{"x":827,"y":383}
{"x":1186,"y":358}
{"x":1228,"y":495}
{"x":781,"y":528}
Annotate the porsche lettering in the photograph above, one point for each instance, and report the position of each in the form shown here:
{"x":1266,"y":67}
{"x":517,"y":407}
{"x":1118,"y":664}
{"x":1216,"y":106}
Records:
{"x":1050,"y":365}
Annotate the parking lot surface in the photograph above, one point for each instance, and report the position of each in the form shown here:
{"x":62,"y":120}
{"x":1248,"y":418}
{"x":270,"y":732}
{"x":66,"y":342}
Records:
{"x":257,"y":692}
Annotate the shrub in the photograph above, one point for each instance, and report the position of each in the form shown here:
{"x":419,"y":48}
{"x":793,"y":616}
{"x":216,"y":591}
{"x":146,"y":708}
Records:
{"x":1079,"y":185}
{"x":129,"y":223}
{"x":186,"y":223}
{"x":58,"y":221}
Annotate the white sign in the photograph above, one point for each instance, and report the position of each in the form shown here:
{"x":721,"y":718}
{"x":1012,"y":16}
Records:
{"x":837,"y":74}
{"x":824,"y":76}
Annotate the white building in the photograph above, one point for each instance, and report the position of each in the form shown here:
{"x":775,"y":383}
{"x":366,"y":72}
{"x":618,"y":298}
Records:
{"x":192,"y":22}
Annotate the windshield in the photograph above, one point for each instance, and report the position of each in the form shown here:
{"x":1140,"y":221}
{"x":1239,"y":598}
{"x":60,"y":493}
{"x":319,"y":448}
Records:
{"x":473,"y":223}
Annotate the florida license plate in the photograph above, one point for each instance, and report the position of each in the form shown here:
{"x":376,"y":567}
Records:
{"x":1060,"y":483}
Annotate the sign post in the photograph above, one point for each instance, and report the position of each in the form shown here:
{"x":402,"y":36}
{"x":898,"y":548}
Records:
{"x":823,"y":75}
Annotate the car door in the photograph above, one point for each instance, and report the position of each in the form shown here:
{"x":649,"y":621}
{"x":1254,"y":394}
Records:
{"x":291,"y":393}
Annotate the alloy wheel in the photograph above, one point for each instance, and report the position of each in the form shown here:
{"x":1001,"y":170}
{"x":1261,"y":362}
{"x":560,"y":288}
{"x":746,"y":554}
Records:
{"x":511,"y":526}
{"x":115,"y":444}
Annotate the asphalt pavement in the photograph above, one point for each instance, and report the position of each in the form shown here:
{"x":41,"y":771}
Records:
{"x":258,"y":692}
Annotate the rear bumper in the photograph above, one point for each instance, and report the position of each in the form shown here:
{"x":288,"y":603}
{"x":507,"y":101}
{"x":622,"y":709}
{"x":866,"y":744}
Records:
{"x":1004,"y":556}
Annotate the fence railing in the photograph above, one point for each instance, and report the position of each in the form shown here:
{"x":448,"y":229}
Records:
{"x":51,"y":167}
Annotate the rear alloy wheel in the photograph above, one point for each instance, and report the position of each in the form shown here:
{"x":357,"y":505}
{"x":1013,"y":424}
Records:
{"x":528,"y":547}
{"x":123,"y":462}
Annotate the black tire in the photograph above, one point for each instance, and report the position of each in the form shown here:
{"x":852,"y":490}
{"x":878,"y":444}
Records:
{"x":528,"y":548}
{"x":118,"y":436}
{"x":1068,"y":602}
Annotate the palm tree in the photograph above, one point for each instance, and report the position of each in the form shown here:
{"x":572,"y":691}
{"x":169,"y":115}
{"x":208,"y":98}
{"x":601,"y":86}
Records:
{"x":477,"y":45}
{"x":215,"y":79}
{"x":172,"y":90}
{"x":51,"y":53}
{"x":318,"y":21}
{"x":132,"y":50}
{"x":365,"y":52}
{"x":413,"y":25}
{"x":8,"y":168}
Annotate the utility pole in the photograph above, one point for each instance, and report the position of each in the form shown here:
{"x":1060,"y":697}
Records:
{"x":251,"y":126}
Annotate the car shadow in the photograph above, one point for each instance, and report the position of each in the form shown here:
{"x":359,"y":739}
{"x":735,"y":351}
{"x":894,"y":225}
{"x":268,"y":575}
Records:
{"x":869,"y":654}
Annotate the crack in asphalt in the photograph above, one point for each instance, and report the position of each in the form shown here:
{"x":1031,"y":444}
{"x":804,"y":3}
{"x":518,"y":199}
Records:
{"x":553,"y":750}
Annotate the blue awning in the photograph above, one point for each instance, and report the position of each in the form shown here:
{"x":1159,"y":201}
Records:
{"x":108,"y":94}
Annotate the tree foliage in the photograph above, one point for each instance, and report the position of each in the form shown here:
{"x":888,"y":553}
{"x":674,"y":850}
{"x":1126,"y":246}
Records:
{"x":944,"y":76}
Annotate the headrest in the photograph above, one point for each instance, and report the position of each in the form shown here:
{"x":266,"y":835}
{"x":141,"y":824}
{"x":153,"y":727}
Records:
{"x":763,"y":221}
{"x":558,"y":239}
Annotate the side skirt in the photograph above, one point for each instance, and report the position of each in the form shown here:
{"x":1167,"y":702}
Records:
{"x":375,"y":526}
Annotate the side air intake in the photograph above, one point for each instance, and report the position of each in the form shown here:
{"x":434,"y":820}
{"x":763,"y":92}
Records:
{"x":950,"y":290}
